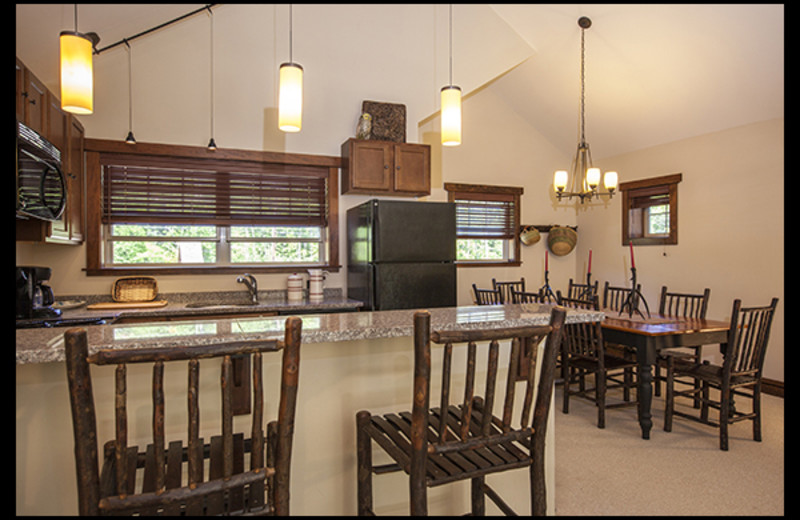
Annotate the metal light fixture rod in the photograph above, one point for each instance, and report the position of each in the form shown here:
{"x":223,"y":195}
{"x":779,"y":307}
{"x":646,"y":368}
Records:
{"x":148,"y":31}
{"x":585,"y":178}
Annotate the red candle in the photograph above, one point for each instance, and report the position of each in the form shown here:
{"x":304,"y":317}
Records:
{"x":589,"y":271}
{"x":545,"y":260}
{"x":633,"y":264}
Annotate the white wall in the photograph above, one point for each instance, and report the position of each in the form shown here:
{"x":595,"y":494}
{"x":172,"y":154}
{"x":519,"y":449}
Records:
{"x":730,"y":225}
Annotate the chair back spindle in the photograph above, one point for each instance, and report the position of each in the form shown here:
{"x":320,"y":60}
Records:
{"x":581,"y":290}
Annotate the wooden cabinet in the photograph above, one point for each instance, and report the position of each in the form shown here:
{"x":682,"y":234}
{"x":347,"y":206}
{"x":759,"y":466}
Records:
{"x":31,"y":99}
{"x":40,"y":109}
{"x":386,"y":168}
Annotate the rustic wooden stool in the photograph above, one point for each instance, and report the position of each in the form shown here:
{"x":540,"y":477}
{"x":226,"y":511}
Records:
{"x":167,"y":487}
{"x":505,"y":289}
{"x":450,"y":443}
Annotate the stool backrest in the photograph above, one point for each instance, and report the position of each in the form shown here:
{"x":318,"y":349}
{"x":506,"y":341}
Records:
{"x":526,"y":297}
{"x":229,"y":488}
{"x":465,"y":428}
{"x":614,"y":297}
{"x":505,"y":288}
{"x":683,"y":304}
{"x":748,"y":338}
{"x":581,"y":290}
{"x":487,"y":296}
{"x":584,"y":339}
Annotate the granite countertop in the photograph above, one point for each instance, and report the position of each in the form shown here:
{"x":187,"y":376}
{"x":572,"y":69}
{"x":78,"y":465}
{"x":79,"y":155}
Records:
{"x":210,"y":303}
{"x":47,"y":345}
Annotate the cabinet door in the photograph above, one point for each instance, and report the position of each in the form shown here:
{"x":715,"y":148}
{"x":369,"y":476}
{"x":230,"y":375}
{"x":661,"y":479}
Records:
{"x":371,"y":165}
{"x":75,"y":177}
{"x":34,"y":96}
{"x":412,"y":168}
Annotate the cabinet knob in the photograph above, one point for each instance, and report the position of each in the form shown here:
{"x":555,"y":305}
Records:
{"x":385,"y":166}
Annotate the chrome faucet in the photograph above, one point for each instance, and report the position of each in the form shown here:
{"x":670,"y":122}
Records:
{"x":250,"y":281}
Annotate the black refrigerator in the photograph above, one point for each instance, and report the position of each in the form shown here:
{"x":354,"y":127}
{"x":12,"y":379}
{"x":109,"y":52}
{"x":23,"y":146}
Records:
{"x":401,"y":255}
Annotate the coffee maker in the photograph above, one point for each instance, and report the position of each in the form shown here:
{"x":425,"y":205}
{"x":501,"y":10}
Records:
{"x":34,"y":296}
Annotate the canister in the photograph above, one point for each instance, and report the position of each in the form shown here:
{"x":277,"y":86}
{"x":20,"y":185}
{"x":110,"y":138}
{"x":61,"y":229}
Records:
{"x":295,"y":288}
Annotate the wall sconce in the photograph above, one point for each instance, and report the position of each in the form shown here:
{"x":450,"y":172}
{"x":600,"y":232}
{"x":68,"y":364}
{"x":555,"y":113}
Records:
{"x":290,"y":91}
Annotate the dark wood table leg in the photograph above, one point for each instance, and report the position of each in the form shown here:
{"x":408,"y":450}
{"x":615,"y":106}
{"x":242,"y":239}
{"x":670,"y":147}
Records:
{"x":645,"y":399}
{"x":645,"y":355}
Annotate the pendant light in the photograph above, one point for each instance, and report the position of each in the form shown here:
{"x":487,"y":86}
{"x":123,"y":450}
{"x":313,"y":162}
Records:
{"x":585,"y":177}
{"x":212,"y":145}
{"x":130,"y":139}
{"x":451,"y":103}
{"x":290,"y":91}
{"x":76,"y":71}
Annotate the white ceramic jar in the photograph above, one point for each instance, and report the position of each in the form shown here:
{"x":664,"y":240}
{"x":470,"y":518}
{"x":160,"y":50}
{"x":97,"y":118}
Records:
{"x":295,"y":288}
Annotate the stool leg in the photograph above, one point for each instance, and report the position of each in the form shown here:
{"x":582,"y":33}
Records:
{"x":478,"y":497}
{"x":364,"y":464}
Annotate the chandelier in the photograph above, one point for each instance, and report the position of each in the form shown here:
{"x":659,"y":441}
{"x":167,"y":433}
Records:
{"x":585,"y":177}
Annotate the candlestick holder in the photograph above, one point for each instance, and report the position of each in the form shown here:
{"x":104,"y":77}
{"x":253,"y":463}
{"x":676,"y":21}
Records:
{"x":545,"y":291}
{"x":631,"y":302}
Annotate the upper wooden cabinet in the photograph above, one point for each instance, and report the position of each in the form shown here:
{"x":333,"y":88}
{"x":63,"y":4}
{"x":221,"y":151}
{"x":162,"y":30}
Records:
{"x":386,"y":168}
{"x":40,"y":109}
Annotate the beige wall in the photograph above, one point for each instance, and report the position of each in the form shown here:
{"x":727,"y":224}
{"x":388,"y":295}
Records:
{"x":730,"y":225}
{"x":731,"y":197}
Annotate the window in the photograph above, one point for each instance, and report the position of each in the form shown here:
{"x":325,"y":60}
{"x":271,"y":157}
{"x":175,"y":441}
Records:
{"x":177,"y":213}
{"x":650,"y":210}
{"x":487,"y":223}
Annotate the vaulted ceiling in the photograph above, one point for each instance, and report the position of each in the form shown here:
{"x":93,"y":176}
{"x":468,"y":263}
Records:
{"x":654,"y":73}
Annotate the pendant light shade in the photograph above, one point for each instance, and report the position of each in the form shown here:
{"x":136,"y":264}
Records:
{"x":451,"y":116}
{"x":451,"y":103}
{"x":290,"y":97}
{"x":76,"y":73}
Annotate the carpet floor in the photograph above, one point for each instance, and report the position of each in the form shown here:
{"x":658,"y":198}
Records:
{"x":613,"y":471}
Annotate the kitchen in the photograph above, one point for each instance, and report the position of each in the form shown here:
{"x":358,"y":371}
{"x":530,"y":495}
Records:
{"x":731,"y":193}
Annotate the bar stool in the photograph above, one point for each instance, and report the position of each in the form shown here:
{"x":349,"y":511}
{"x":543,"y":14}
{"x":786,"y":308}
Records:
{"x":171,"y":474}
{"x":448,"y":443}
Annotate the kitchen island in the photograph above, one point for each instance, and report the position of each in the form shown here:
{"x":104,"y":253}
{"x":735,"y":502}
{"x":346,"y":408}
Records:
{"x":349,"y":362}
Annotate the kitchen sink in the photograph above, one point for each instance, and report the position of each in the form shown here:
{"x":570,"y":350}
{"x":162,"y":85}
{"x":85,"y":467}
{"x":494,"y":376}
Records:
{"x":200,"y":305}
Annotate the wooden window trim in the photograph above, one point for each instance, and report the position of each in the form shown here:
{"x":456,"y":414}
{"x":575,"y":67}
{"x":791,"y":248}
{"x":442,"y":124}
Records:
{"x":628,"y":189}
{"x":516,"y":192}
{"x":94,"y":198}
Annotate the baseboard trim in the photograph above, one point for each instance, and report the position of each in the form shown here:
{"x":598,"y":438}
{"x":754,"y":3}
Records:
{"x":772,"y":387}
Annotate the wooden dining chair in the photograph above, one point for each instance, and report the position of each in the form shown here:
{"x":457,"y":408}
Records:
{"x":682,"y":305}
{"x":166,"y":477}
{"x":449,"y":443}
{"x":505,"y":288}
{"x":581,"y":291}
{"x":614,"y":297}
{"x":583,"y":352}
{"x":487,"y":296}
{"x":526,"y":297}
{"x":739,"y":374}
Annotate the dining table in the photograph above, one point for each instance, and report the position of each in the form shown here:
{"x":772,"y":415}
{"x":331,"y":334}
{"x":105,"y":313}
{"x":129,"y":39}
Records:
{"x":648,"y":335}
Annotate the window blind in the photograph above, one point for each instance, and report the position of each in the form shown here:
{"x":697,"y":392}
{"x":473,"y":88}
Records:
{"x":485,"y":215}
{"x":646,"y":197}
{"x":162,"y":190}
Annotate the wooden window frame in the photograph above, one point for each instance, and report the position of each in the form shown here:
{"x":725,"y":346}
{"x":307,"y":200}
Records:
{"x":94,"y":201}
{"x":669,"y":185}
{"x":516,"y":192}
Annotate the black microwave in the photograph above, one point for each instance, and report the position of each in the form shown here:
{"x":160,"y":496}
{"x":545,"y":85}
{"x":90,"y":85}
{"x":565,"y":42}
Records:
{"x":41,"y":191}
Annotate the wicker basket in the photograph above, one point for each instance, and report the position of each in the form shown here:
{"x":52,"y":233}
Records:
{"x":134,"y":289}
